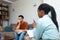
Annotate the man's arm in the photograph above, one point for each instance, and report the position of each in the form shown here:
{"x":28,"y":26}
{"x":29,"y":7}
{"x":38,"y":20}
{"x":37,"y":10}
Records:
{"x":17,"y":27}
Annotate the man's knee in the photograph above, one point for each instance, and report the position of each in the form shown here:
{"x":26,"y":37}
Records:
{"x":23,"y":34}
{"x":15,"y":33}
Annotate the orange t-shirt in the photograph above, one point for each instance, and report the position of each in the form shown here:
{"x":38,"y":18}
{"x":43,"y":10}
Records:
{"x":23,"y":26}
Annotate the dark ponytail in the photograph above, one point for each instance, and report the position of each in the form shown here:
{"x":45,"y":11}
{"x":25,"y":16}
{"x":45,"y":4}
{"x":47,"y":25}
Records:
{"x":47,"y":8}
{"x":53,"y":16}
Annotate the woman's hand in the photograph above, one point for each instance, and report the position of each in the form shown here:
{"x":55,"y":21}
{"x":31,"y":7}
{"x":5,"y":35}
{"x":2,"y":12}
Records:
{"x":34,"y":24}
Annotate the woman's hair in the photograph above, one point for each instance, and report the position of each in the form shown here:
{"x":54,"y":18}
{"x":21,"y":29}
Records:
{"x":47,"y":8}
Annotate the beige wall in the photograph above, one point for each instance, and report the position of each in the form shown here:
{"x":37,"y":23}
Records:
{"x":26,"y":8}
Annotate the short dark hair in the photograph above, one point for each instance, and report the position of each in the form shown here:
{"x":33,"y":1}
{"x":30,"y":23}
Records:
{"x":21,"y":16}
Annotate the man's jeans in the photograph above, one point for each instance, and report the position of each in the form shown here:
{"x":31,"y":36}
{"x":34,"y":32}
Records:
{"x":20,"y":36}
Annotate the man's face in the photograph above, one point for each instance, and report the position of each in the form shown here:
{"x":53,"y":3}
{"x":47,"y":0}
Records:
{"x":20,"y":19}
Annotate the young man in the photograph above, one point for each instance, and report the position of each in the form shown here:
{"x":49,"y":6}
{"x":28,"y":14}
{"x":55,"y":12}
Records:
{"x":21,"y":28}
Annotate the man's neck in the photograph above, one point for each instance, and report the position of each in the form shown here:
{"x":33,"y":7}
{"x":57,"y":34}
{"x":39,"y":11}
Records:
{"x":22,"y":22}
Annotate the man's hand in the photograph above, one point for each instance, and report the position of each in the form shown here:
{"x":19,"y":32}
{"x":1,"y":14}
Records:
{"x":18,"y":31}
{"x":19,"y":21}
{"x":18,"y":26}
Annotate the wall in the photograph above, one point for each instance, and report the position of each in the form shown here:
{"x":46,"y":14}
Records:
{"x":56,"y":5}
{"x":27,"y":8}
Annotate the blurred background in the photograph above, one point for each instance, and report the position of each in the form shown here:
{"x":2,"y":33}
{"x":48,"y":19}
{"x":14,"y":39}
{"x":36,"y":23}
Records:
{"x":10,"y":9}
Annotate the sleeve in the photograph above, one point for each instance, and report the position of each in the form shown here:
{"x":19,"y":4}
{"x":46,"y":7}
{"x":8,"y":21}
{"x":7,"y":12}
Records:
{"x":38,"y":32}
{"x":26,"y":25}
{"x":17,"y":24}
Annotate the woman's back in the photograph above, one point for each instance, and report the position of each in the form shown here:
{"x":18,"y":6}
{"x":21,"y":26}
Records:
{"x":46,"y":28}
